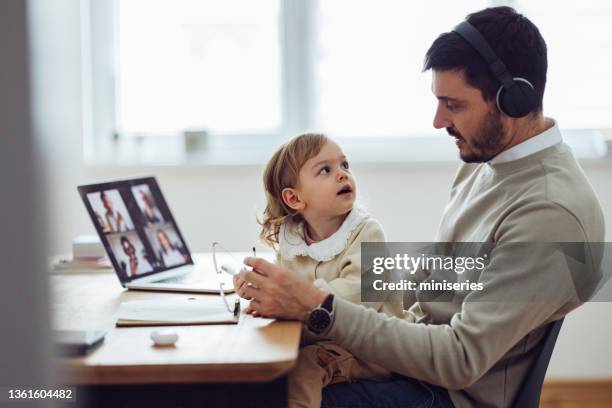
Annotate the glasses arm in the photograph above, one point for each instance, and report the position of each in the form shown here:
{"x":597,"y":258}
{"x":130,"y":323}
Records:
{"x":236,"y":309}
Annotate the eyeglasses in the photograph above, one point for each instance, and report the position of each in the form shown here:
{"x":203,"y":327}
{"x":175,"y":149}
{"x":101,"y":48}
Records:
{"x":220,"y":257}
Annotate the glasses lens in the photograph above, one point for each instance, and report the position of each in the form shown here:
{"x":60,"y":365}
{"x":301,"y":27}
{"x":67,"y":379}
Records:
{"x":221,"y":256}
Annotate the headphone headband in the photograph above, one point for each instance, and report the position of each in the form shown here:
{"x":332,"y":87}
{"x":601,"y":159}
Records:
{"x":473,"y":37}
{"x":516,"y":96}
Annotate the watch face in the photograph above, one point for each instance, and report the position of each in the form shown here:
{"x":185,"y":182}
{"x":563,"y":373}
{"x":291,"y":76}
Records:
{"x":319,"y":320}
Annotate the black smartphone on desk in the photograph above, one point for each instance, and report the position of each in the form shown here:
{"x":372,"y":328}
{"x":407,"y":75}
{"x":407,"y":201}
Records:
{"x":76,"y":342}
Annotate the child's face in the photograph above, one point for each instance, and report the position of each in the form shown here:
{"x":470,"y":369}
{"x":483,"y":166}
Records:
{"x":326,"y":187}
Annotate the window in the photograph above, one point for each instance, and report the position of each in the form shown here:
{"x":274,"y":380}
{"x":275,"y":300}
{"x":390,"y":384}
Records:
{"x":579,"y":40}
{"x":199,"y":64}
{"x":272,"y":68}
{"x":368,"y":64}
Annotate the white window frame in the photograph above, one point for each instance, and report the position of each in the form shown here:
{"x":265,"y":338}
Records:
{"x":103,"y":146}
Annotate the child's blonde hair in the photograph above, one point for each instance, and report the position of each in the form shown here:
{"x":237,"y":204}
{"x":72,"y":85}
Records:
{"x":282,"y":171}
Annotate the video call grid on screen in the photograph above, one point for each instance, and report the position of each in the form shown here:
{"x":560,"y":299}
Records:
{"x":136,"y":227}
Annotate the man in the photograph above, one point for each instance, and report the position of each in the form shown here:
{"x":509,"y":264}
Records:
{"x":114,"y":219}
{"x":519,"y":184}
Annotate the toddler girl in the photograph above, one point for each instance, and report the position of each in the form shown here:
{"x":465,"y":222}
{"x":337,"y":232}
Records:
{"x":316,"y":230}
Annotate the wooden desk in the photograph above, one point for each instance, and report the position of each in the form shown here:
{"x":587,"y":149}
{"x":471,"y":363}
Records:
{"x":247,"y":352}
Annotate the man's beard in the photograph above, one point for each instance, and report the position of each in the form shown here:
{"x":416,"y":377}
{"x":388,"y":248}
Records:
{"x":486,"y":144}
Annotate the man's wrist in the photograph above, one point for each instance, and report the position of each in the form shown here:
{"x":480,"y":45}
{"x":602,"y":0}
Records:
{"x":314,"y":298}
{"x":317,"y":298}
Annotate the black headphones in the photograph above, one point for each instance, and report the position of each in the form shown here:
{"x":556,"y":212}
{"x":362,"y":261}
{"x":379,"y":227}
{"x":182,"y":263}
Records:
{"x":516,"y":96}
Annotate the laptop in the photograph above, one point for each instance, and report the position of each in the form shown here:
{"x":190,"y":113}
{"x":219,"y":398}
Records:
{"x":143,"y":241}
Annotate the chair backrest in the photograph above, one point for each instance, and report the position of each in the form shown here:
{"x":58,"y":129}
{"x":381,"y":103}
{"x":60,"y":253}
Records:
{"x":529,"y":395}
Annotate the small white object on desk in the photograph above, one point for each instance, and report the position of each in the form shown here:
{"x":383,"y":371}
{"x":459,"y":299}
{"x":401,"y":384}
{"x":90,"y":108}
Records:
{"x":164,"y":337}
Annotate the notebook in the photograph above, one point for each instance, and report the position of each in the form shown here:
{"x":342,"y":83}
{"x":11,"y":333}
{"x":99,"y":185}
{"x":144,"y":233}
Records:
{"x":180,"y":312}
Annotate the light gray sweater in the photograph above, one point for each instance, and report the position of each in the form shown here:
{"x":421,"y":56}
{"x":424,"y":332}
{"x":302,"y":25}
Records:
{"x":481,"y":349}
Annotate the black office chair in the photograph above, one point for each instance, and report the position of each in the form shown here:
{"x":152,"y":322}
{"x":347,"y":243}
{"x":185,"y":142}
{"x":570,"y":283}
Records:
{"x":529,"y":395}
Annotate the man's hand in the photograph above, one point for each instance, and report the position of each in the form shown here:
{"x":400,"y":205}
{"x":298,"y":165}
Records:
{"x":238,"y":282}
{"x":276,"y":291}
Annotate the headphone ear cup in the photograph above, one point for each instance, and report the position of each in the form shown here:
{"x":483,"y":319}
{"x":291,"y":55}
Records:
{"x":517,"y":101}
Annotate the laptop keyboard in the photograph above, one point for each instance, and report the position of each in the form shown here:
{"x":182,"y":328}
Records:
{"x":185,"y":279}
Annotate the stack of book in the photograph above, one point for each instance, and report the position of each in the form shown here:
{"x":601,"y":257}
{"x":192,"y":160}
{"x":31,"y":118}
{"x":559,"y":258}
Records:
{"x":88,"y":255}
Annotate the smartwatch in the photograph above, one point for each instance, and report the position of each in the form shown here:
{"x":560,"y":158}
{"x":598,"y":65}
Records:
{"x":321,"y":317}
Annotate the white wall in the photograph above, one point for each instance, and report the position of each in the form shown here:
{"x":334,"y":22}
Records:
{"x":220,"y":203}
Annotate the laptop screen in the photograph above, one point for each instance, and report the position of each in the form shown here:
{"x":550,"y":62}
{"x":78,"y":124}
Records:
{"x":136,"y":227}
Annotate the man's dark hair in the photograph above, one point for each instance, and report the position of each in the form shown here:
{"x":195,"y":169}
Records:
{"x":515,"y":40}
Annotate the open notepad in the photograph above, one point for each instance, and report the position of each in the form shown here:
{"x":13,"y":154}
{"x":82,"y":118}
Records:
{"x":176,"y":312}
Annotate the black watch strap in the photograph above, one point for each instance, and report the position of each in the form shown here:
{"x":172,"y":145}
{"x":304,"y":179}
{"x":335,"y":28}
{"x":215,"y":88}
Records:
{"x":328,"y":303}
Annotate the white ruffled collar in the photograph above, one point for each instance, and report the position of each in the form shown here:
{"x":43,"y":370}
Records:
{"x":291,"y":239}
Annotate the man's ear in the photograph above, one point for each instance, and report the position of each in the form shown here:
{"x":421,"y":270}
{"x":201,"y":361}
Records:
{"x":292,"y":199}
